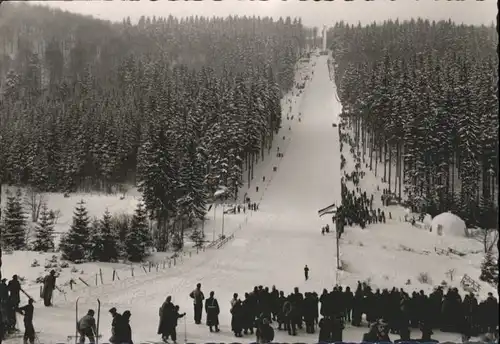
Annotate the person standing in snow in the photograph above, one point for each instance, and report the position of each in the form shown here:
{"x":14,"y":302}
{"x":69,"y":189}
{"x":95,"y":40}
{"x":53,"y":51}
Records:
{"x":123,"y":330}
{"x":114,"y":323}
{"x":177,"y":316}
{"x":29,"y":331}
{"x":198,"y":297}
{"x":166,"y":313}
{"x":49,"y":284}
{"x":14,"y":288}
{"x":87,"y":327}
{"x":213,"y":310}
{"x":306,"y":272}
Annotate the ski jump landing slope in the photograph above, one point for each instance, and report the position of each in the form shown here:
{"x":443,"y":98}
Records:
{"x":271,"y":249}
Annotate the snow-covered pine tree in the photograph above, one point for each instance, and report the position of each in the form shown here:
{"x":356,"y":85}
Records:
{"x":138,"y":238}
{"x":193,"y":202}
{"x":44,"y":232}
{"x":14,"y":231}
{"x":75,"y":244}
{"x":158,"y":182}
{"x":104,"y":240}
{"x":198,"y":238}
{"x":489,"y":269}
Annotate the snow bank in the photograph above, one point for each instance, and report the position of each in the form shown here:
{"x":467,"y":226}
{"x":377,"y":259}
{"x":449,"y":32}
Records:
{"x":449,"y":224}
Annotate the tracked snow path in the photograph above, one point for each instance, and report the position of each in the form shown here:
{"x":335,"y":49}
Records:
{"x":271,"y":249}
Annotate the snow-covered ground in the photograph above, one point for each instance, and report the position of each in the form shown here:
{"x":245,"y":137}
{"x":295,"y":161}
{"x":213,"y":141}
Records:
{"x":271,"y":246}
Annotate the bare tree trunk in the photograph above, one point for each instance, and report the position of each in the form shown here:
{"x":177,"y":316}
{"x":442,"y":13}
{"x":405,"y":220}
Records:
{"x":390,"y":167}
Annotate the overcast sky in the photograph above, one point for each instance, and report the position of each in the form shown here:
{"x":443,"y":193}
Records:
{"x":312,"y":13}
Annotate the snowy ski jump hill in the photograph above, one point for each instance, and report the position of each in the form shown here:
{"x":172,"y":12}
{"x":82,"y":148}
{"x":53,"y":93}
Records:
{"x":272,"y":245}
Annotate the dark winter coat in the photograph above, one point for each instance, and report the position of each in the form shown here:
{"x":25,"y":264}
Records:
{"x":325,"y":330}
{"x":4,"y":292}
{"x":237,"y":318}
{"x":248,"y":311}
{"x":288,"y":310}
{"x":14,"y":288}
{"x":168,"y":318}
{"x":114,"y":323}
{"x":266,"y":334}
{"x":123,"y":331}
{"x":337,"y":329}
{"x":49,"y":283}
{"x":213,"y":310}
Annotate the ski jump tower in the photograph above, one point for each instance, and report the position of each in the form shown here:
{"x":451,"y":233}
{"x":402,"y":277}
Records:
{"x":324,"y":38}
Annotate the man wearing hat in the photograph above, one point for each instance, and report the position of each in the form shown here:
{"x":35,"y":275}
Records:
{"x":49,"y":284}
{"x":114,"y":324}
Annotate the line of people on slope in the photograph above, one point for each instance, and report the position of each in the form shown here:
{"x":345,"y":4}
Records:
{"x":358,"y":208}
{"x":394,"y":311}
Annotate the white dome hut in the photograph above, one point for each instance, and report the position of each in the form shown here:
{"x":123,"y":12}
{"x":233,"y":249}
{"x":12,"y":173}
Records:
{"x":448,"y":224}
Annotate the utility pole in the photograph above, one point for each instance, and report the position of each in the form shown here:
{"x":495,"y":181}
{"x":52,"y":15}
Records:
{"x":336,"y":222}
{"x":1,"y":230}
{"x":222,"y":219}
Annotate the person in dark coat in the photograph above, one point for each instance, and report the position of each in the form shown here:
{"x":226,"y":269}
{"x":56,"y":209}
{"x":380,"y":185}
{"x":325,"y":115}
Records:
{"x":49,"y":284}
{"x":116,"y":319}
{"x":325,"y":330}
{"x":337,"y":328}
{"x":348,"y":301}
{"x":177,"y":316}
{"x":248,"y":307}
{"x":237,"y":318}
{"x":491,"y":310}
{"x":281,"y":316}
{"x":213,"y":310}
{"x":265,"y":333}
{"x":357,"y":307}
{"x":167,"y":323}
{"x":310,"y":311}
{"x":4,"y":304}
{"x":123,"y":329}
{"x":2,"y":328}
{"x":14,"y":288}
{"x":198,"y":297}
{"x":306,"y":272}
{"x":289,"y":315}
{"x":29,"y":330}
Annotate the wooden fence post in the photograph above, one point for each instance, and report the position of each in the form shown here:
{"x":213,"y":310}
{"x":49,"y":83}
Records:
{"x":100,"y":272}
{"x":132,"y":269}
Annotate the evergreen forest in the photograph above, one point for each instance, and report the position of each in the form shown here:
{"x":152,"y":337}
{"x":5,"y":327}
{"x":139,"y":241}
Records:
{"x":177,"y":107}
{"x":421,"y":98}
